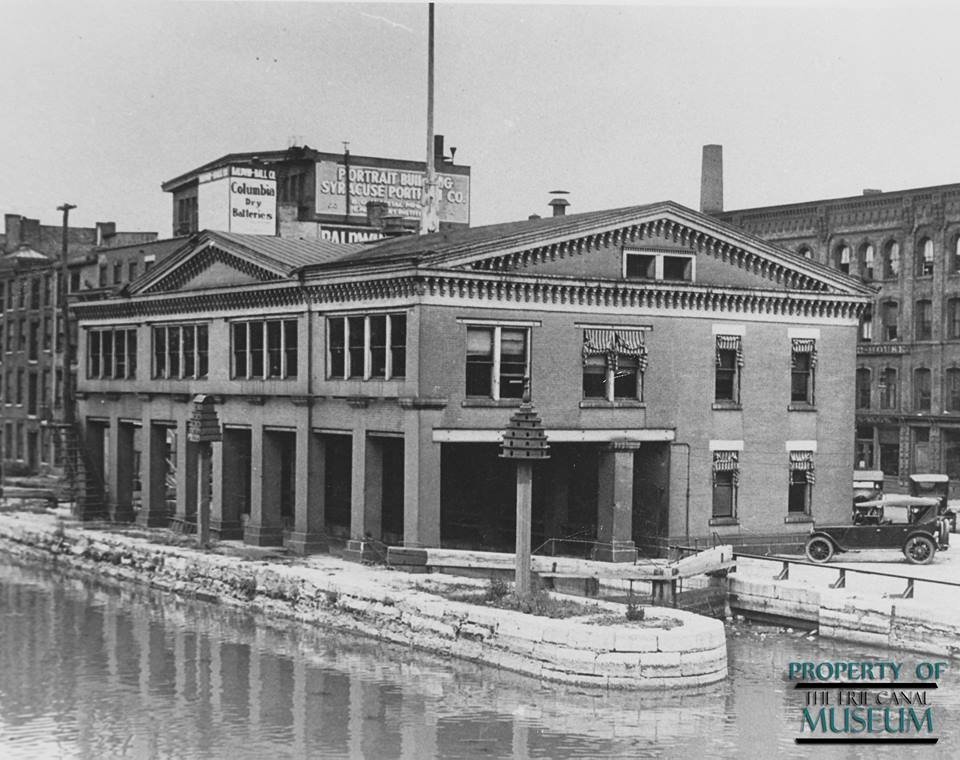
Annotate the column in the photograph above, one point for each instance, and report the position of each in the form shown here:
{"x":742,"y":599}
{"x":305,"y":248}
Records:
{"x":308,"y":530}
{"x":227,"y":487}
{"x":358,"y":462}
{"x":187,"y":454}
{"x":615,"y":502}
{"x":264,"y":528}
{"x":120,"y":471}
{"x":558,"y":498}
{"x":421,"y":486}
{"x":153,"y":509}
{"x":373,"y":488}
{"x":90,"y":503}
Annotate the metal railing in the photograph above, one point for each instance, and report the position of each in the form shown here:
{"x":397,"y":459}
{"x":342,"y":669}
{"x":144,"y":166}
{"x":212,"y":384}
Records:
{"x":841,"y":581}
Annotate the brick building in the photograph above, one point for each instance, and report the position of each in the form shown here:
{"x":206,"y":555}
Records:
{"x":906,"y":246}
{"x":31,"y":350}
{"x":362,"y":390}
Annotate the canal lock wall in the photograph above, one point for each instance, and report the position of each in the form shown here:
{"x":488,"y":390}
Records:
{"x":386,"y":605}
{"x":890,"y":622}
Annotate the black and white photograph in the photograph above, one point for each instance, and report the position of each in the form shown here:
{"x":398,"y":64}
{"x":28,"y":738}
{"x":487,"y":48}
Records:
{"x":448,"y":380}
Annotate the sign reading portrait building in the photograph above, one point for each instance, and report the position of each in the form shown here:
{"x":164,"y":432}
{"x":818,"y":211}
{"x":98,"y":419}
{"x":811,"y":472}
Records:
{"x":400,"y":189}
{"x":238,"y":199}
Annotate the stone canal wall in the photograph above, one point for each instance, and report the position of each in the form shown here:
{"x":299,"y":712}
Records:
{"x":685,"y":651}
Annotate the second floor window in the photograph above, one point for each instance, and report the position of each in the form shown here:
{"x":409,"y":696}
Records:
{"x":613,"y":364}
{"x":802,"y":479}
{"x":367,"y":347}
{"x":863,"y":388}
{"x":952,"y":389}
{"x":923,"y":320}
{"x":264,"y":349}
{"x":180,"y":351}
{"x":891,"y":316}
{"x":888,"y":388}
{"x":921,"y":389}
{"x":498,"y":361}
{"x":727,"y":372}
{"x":802,"y":371}
{"x":112,"y":353}
{"x":726,"y":478}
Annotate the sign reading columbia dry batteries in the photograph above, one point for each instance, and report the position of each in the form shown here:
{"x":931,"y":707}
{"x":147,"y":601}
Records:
{"x":238,"y":199}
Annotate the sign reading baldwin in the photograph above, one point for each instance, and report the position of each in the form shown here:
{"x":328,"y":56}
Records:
{"x":238,"y":199}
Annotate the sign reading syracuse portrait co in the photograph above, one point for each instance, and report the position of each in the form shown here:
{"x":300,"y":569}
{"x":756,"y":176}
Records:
{"x":238,"y":199}
{"x":399,"y":189}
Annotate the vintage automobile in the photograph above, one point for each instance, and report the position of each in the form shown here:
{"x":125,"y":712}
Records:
{"x":909,"y":523}
{"x":935,"y":486}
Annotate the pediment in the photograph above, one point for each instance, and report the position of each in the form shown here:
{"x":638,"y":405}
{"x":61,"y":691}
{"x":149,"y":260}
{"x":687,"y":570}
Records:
{"x":206,"y":267}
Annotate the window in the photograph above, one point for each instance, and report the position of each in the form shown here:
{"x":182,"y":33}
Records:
{"x":891,"y":316}
{"x":802,"y":480}
{"x":47,"y":290}
{"x":924,"y":262}
{"x":889,"y":441}
{"x":659,"y":265}
{"x":263,"y":349}
{"x":726,"y":478}
{"x":32,"y":393}
{"x":614,"y":361}
{"x":34,"y":351}
{"x":112,"y":353}
{"x":866,"y":261}
{"x":955,"y":258}
{"x":372,"y":347}
{"x":921,"y":449}
{"x":102,"y":275}
{"x":864,"y":451}
{"x":953,"y":319}
{"x":888,"y":388}
{"x":923,"y":320}
{"x":952,"y":390}
{"x":921,"y":389}
{"x":842,"y":258}
{"x":131,"y":270}
{"x":180,"y":351}
{"x":35,"y":293}
{"x":863,"y":388}
{"x":951,"y":452}
{"x":729,"y":360}
{"x":805,"y":251}
{"x":117,"y":272}
{"x":866,"y":325}
{"x":47,"y":334}
{"x":498,"y":361}
{"x":803,"y":367}
{"x":891,"y":260}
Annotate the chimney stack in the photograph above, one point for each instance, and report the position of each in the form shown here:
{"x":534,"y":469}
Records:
{"x":711,"y":180}
{"x":559,"y":204}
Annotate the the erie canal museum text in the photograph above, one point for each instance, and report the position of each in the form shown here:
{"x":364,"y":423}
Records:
{"x":701,"y":375}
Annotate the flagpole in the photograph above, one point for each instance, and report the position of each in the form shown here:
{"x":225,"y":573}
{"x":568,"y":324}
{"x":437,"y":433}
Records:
{"x":429,"y":213}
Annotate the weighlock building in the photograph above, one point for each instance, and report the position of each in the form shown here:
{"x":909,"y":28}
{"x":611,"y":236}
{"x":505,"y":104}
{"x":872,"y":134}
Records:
{"x":696,"y":384}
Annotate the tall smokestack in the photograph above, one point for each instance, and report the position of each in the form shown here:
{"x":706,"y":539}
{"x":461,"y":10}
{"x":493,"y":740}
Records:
{"x":711,"y":180}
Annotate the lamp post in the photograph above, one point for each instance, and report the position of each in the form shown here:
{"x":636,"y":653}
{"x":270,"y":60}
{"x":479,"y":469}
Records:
{"x":525,"y":441}
{"x":67,"y":385}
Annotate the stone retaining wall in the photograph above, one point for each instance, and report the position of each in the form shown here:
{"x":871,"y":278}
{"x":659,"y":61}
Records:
{"x":374,"y":602}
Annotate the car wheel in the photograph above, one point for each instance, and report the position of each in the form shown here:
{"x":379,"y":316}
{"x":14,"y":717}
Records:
{"x":919,"y":550}
{"x":819,"y":549}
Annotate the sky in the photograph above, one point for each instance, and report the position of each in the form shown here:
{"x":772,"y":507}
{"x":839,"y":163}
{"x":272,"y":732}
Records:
{"x":100,"y":102}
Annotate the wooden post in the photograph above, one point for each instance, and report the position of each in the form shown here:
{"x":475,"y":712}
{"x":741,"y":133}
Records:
{"x":524,"y":501}
{"x":204,"y":493}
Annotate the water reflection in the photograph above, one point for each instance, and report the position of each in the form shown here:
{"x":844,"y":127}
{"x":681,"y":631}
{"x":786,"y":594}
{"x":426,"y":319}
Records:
{"x":96,"y":672}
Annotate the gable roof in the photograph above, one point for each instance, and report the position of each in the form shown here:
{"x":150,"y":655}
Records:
{"x":276,"y":256}
{"x":492,"y":246}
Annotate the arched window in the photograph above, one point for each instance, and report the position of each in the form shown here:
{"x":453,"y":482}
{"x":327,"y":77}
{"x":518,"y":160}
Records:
{"x":891,"y":260}
{"x":951,"y":390}
{"x":841,"y":258}
{"x":805,"y":251}
{"x":863,"y":388}
{"x":921,"y":389}
{"x":866,"y":261}
{"x":923,"y":320}
{"x":888,"y":388}
{"x":866,"y":325}
{"x":924,"y":258}
{"x":955,"y":258}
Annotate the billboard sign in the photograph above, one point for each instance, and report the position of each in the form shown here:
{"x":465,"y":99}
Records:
{"x":400,"y":189}
{"x":238,"y":199}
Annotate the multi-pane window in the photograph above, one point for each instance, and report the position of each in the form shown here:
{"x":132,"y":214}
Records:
{"x":802,"y":480}
{"x":180,"y":351}
{"x":655,"y":265}
{"x":953,"y":319}
{"x":498,"y":361}
{"x":264,"y":349}
{"x":729,"y":361}
{"x":371,"y":347}
{"x":888,"y":388}
{"x":923,"y":320}
{"x":112,"y":353}
{"x":614,"y":361}
{"x":952,"y":389}
{"x":891,"y":318}
{"x":921,"y":389}
{"x":924,"y":265}
{"x":842,"y":256}
{"x":866,"y":261}
{"x":726,"y":478}
{"x":803,"y":364}
{"x":863,"y":388}
{"x":891,"y":260}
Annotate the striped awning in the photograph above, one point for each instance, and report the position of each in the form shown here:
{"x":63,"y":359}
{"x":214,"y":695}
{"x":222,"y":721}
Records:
{"x":805,"y":346}
{"x":613,"y":344}
{"x":802,"y":461}
{"x":598,"y":342}
{"x":730,"y":343}
{"x":726,"y":461}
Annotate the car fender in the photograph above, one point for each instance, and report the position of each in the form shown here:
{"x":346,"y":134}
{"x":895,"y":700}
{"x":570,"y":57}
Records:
{"x":827,"y":536}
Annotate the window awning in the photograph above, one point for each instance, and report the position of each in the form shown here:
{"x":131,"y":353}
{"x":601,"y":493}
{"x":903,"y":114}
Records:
{"x":726,"y":461}
{"x":614,"y":343}
{"x":802,"y":461}
{"x":730,"y":343}
{"x":805,"y":346}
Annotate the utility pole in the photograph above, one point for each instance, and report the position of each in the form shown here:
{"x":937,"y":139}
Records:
{"x":67,"y":384}
{"x":429,"y":211}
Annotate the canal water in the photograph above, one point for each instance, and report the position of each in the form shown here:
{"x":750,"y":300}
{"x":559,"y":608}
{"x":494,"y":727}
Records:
{"x":94,"y":671}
